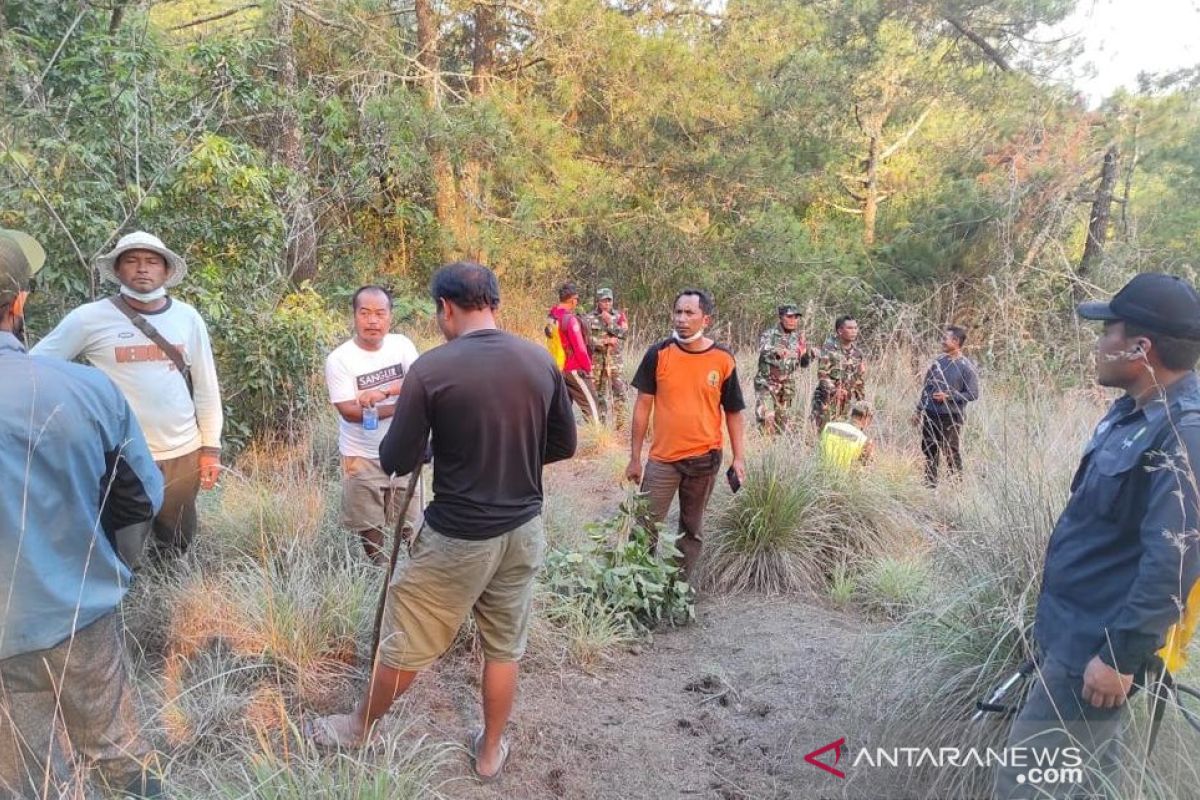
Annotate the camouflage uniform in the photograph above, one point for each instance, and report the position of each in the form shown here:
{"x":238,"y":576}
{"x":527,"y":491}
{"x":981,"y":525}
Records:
{"x":780,"y":355}
{"x":607,"y":362}
{"x":837,"y":368}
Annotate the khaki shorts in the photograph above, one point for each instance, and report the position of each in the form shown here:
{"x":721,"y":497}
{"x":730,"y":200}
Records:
{"x":444,"y":579}
{"x":370,"y":497}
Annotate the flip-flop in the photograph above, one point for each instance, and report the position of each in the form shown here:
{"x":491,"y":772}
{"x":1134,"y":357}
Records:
{"x":473,"y":744}
{"x":321,"y":732}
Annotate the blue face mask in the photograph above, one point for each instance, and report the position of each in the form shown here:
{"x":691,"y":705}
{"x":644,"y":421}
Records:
{"x":145,"y":297}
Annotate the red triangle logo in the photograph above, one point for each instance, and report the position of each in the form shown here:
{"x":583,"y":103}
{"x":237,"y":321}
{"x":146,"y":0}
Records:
{"x":836,"y":747}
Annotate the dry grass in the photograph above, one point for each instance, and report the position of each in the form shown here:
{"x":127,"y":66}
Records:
{"x":269,"y":618}
{"x":970,"y":629}
{"x":795,"y":523}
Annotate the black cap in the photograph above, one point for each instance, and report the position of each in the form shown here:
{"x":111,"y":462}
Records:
{"x":1155,"y":302}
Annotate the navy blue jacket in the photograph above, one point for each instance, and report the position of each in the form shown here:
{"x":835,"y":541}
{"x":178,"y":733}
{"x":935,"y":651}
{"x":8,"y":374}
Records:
{"x":1126,"y":551}
{"x":958,"y":378}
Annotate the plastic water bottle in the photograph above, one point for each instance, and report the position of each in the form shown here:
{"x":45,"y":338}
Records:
{"x":370,"y":419}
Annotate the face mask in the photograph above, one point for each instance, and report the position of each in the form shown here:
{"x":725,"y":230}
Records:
{"x":697,"y":336}
{"x":145,"y":297}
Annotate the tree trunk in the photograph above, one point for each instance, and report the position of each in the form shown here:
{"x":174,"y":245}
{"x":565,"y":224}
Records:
{"x":1128,"y":221}
{"x":114,"y":20}
{"x":871,"y":191}
{"x":470,"y":187}
{"x":483,"y":53}
{"x":428,"y":56}
{"x":1097,"y":235}
{"x":300,"y":252}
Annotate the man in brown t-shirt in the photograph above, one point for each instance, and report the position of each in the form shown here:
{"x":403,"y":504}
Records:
{"x":689,"y":382}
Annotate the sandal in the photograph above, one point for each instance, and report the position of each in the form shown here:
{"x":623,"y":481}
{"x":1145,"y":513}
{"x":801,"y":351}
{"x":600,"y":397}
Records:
{"x":473,"y":745}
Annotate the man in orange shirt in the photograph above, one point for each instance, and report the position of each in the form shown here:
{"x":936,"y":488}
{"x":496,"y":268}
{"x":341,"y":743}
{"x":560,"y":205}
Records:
{"x":688,"y":382}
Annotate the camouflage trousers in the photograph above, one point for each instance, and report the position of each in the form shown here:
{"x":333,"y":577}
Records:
{"x":78,"y":687}
{"x":826,"y":409}
{"x":610,"y":389}
{"x":773,"y":405}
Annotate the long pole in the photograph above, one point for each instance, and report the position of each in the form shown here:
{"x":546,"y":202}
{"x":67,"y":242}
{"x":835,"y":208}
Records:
{"x":397,"y":539}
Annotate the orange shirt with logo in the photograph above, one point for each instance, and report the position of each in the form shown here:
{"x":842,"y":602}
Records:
{"x":691,"y":390}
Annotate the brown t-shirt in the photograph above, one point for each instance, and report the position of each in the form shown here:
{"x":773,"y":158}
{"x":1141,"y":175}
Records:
{"x":690,"y":391}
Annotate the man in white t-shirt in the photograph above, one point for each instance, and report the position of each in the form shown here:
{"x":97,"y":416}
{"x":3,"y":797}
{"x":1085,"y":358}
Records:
{"x":367,"y":372}
{"x":124,"y":336}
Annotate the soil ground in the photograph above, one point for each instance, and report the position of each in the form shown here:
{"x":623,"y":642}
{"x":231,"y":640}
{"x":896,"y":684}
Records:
{"x":725,"y":708}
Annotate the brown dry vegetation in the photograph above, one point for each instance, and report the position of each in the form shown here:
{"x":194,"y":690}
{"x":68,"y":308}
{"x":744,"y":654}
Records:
{"x":886,"y":596}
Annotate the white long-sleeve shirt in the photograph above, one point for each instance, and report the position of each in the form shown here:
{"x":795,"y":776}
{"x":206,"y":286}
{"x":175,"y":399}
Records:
{"x":173,"y":425}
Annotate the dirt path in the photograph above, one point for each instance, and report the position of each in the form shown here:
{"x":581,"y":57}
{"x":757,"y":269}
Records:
{"x":726,"y":708}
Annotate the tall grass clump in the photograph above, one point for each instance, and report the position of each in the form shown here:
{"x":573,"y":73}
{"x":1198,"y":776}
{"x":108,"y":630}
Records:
{"x":795,"y":524}
{"x":893,"y":586}
{"x":401,"y":767}
{"x":971,"y":628}
{"x":574,"y":629}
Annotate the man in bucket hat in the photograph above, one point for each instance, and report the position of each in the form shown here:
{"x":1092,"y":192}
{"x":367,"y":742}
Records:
{"x":1125,"y":551}
{"x":157,"y":350}
{"x":79,"y":485}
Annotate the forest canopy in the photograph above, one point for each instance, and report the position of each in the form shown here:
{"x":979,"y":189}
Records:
{"x":858,"y":153}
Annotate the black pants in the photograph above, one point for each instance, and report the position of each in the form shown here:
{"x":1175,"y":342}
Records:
{"x":940,"y":433}
{"x":1055,"y":718}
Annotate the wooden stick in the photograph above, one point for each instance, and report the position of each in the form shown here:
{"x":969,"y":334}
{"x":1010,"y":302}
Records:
{"x":397,"y":537}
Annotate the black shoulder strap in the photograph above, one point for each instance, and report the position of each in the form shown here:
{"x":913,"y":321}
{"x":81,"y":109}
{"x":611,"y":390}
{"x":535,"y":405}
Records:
{"x":151,"y":332}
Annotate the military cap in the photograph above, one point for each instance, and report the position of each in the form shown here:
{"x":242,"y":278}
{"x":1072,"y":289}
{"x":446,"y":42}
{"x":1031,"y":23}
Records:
{"x":20,"y":258}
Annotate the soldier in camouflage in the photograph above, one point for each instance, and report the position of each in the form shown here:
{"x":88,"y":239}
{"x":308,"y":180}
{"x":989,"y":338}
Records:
{"x":840,"y":375}
{"x":782,"y":352}
{"x":607,"y":330}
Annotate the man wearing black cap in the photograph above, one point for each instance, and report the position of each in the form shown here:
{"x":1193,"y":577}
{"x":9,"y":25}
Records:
{"x":1125,"y":551}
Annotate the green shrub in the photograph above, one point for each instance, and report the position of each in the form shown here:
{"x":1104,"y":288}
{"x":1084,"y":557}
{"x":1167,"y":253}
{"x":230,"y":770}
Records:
{"x":843,"y":584}
{"x":894,"y":586}
{"x":622,"y":573}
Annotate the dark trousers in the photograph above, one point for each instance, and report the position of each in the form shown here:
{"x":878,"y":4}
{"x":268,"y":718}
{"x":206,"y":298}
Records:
{"x":940,"y":434}
{"x":583,"y":392}
{"x":175,"y":525}
{"x":661,"y":482}
{"x":1061,"y":726}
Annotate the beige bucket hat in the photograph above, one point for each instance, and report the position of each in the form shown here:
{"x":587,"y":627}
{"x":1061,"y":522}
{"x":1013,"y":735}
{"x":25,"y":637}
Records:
{"x":140,"y":240}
